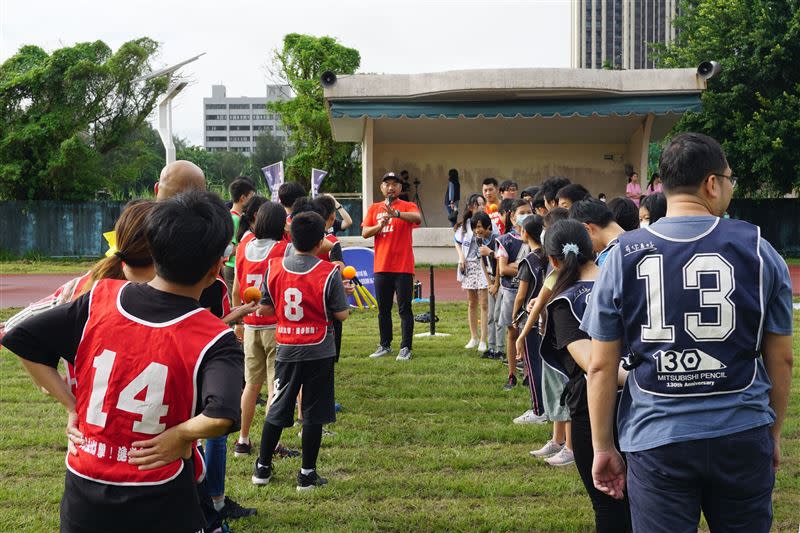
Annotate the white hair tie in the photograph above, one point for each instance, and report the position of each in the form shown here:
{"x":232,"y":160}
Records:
{"x":570,"y":248}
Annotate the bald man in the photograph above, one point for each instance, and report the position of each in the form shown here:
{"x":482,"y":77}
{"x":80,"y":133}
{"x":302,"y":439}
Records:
{"x":177,"y":177}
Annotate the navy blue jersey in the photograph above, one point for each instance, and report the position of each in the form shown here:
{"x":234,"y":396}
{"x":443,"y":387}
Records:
{"x":513,"y":246}
{"x":692,"y":309}
{"x":577,"y":296}
{"x":536,"y":264}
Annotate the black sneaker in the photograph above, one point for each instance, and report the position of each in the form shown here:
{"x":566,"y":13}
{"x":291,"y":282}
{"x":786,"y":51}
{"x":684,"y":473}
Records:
{"x":488,"y":354}
{"x":525,"y":381}
{"x":500,"y":356}
{"x":310,"y":481}
{"x":232,"y":510}
{"x":261,"y":473}
{"x":242,"y":449}
{"x":511,"y":383}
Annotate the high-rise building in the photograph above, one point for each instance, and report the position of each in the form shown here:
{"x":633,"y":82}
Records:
{"x":233,"y":123}
{"x":617,"y":33}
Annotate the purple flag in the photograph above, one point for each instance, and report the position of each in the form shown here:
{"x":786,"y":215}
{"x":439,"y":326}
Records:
{"x":274,"y":175}
{"x":317,"y":176}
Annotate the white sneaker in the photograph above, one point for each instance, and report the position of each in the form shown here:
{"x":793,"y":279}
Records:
{"x":471,"y":344}
{"x":563,"y":458}
{"x":548,"y":450}
{"x":529,"y":417}
{"x":404,"y":355}
{"x":380,"y":352}
{"x":482,"y":347}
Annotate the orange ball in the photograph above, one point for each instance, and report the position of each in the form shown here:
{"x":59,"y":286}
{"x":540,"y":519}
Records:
{"x":252,"y":294}
{"x":492,"y":208}
{"x":348,"y":272}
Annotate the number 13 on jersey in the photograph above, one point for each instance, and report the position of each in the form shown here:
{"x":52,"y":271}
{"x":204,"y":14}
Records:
{"x":715,"y":298}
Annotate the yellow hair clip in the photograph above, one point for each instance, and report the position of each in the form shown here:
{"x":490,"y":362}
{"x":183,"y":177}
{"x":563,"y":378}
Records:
{"x":111,"y":239}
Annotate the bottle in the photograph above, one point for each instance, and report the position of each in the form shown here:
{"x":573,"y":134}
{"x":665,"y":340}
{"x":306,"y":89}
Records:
{"x":417,"y":290}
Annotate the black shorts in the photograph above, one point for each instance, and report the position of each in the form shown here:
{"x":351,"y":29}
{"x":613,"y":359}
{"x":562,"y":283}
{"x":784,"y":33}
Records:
{"x":316,"y":379}
{"x":92,"y":507}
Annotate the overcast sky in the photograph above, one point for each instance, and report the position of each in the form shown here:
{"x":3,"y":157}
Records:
{"x":239,"y":36}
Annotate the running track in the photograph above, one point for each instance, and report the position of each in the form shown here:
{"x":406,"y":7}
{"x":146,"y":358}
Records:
{"x":18,"y":290}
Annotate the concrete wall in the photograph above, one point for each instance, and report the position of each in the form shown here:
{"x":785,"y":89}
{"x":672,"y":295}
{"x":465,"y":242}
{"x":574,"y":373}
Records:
{"x":528,"y":164}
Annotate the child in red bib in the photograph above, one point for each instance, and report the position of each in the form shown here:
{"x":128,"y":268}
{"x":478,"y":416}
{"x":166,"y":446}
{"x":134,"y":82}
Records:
{"x":156,"y":372}
{"x":305,"y":294}
{"x":252,"y":261}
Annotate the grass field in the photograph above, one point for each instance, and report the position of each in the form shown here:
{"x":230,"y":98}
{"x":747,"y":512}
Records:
{"x":420,"y":446}
{"x":45,"y":266}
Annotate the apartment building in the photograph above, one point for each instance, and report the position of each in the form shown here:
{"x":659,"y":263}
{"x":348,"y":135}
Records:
{"x":617,"y":33}
{"x":233,"y":123}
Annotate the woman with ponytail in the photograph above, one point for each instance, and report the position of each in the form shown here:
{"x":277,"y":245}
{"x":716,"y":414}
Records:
{"x":131,"y":259}
{"x":567,"y":349}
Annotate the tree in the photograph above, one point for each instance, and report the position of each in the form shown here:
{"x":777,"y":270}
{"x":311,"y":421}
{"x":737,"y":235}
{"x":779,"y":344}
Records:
{"x":753,"y":106}
{"x":132,"y":168}
{"x":220,"y":168}
{"x":62,"y":115}
{"x":269,"y":149}
{"x":300,"y":63}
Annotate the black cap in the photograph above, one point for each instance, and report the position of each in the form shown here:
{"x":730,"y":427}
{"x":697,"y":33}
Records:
{"x":390,"y":176}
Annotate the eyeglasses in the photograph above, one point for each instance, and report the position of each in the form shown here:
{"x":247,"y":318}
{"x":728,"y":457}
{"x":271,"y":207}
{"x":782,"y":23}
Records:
{"x":733,"y":179}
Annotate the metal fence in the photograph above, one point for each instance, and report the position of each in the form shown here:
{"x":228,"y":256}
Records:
{"x":61,"y":229}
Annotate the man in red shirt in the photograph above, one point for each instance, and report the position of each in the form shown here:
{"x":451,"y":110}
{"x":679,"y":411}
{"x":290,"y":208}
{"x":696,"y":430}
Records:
{"x":391,"y":222}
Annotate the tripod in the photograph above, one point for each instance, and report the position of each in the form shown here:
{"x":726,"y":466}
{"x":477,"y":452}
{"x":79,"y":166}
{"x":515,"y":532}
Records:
{"x":417,"y":200}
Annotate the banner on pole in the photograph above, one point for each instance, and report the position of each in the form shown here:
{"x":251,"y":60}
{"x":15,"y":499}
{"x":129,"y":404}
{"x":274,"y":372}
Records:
{"x":274,"y":176}
{"x":317,"y":176}
{"x":363,"y":260}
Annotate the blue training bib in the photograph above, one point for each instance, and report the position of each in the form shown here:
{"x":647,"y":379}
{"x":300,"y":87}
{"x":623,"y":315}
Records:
{"x":693,"y":309}
{"x":577,"y":296}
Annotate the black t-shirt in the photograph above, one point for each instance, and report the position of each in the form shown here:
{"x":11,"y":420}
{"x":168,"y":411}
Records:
{"x":212,"y":296}
{"x":337,"y":226}
{"x":57,"y":333}
{"x":566,"y":330}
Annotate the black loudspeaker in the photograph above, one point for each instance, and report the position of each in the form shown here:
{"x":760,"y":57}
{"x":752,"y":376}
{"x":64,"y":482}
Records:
{"x":708,"y":69}
{"x":328,"y":78}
